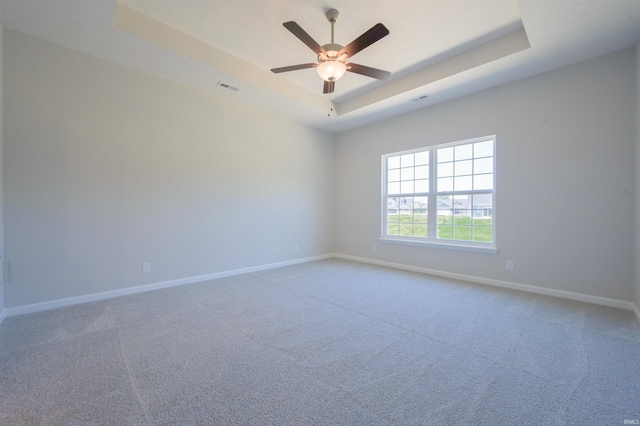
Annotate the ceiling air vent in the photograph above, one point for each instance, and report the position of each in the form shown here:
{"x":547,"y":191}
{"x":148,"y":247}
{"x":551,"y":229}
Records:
{"x":419,"y":98}
{"x":227,"y":86}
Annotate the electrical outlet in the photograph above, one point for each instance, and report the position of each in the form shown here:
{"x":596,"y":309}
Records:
{"x":374,"y":248}
{"x":509,"y":265}
{"x":146,"y":267}
{"x":296,"y":248}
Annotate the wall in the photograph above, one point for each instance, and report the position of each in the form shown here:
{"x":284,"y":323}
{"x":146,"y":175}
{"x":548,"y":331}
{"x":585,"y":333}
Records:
{"x":637,"y":188}
{"x":1,"y":190}
{"x":107,"y":167}
{"x":565,"y":179}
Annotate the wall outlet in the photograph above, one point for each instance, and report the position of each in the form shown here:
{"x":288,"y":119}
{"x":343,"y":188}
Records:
{"x":374,"y":248}
{"x":509,"y":265}
{"x":296,"y":248}
{"x":146,"y":267}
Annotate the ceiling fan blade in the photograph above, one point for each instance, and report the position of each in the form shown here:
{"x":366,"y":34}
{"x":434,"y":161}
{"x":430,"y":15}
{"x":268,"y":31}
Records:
{"x":374,"y":34}
{"x":329,"y":86}
{"x":368,"y":71}
{"x":293,"y":68}
{"x":297,"y":31}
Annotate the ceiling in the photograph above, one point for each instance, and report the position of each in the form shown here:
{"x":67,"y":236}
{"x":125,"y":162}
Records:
{"x":437,"y":50}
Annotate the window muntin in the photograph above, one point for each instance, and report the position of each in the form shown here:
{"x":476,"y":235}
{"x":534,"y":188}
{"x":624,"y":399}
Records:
{"x":452,"y":202}
{"x":407,"y":216}
{"x":467,"y":217}
{"x":408,"y":173}
{"x":465,"y":167}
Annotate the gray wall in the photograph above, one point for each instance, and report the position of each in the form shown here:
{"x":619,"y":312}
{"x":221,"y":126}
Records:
{"x":1,"y":183}
{"x":565,"y":179}
{"x":107,"y":167}
{"x":637,"y":188}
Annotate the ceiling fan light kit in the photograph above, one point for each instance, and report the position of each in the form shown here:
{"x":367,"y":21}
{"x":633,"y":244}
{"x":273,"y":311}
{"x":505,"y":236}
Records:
{"x":331,"y":69}
{"x":332,"y":58}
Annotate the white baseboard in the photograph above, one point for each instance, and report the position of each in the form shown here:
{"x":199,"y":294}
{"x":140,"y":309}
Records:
{"x":504,"y":284}
{"x":43,"y":306}
{"x":59,"y":303}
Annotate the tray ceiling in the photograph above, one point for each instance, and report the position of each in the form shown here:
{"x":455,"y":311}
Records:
{"x":436,"y":50}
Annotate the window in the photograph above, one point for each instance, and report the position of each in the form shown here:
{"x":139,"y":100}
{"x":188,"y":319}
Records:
{"x":443,"y":194}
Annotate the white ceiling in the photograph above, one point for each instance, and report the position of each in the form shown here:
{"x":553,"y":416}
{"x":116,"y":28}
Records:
{"x":440,"y":48}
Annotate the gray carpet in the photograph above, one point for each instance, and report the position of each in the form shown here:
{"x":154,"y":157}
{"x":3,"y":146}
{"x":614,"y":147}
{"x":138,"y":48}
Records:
{"x":330,"y":342}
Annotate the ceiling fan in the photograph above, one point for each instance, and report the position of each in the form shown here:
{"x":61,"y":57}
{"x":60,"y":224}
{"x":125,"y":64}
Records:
{"x":332,"y":58}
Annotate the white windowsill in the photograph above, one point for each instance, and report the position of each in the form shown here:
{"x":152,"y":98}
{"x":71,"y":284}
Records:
{"x":449,"y":246}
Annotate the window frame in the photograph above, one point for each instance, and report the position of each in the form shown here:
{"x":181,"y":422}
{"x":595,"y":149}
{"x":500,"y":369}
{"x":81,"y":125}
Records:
{"x":432,"y":194}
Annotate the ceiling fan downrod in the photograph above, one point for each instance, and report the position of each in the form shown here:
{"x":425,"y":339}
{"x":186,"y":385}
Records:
{"x":332,"y":16}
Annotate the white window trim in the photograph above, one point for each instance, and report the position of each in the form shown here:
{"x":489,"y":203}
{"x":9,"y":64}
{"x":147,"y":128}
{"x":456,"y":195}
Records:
{"x":437,"y":244}
{"x":432,"y":240}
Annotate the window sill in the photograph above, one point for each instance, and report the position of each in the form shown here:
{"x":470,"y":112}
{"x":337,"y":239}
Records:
{"x":448,"y":246}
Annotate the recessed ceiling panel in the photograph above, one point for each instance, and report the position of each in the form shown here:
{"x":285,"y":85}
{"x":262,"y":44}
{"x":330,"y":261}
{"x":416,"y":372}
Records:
{"x":252,"y":30}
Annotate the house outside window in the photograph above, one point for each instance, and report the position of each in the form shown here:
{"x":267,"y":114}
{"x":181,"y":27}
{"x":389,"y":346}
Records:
{"x":441,"y":195}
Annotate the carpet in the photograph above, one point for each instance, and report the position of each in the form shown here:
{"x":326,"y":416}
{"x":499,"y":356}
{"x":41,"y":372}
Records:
{"x":330,"y":342}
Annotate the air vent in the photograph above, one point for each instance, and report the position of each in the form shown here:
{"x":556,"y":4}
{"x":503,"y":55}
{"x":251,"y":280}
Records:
{"x":227,"y":86}
{"x":419,"y":98}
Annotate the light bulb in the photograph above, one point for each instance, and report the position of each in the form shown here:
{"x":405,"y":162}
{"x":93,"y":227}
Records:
{"x":331,"y":70}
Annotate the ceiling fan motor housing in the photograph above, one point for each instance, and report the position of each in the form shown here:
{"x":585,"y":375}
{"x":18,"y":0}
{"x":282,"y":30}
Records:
{"x":332,"y":50}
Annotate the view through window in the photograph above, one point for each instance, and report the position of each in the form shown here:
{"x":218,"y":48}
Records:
{"x":443,"y":194}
